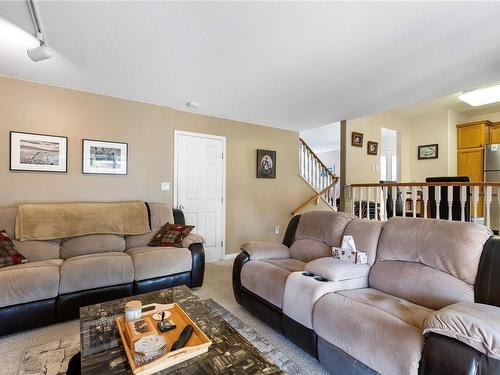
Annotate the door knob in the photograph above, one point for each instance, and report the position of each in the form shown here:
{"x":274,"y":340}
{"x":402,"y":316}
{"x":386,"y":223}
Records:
{"x":181,"y":207}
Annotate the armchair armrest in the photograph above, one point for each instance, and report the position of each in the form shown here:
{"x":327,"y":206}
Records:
{"x":335,"y":269}
{"x":474,"y":324}
{"x":265,"y":250}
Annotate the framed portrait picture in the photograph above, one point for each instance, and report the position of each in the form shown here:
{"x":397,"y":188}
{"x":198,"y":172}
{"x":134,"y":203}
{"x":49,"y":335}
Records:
{"x":428,"y":151}
{"x":104,"y":157}
{"x":357,"y":139}
{"x":372,"y":148}
{"x":38,"y":152}
{"x":266,"y":164}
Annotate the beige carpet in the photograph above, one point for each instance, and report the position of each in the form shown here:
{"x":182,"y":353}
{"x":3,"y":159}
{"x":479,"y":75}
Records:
{"x":217,"y":286}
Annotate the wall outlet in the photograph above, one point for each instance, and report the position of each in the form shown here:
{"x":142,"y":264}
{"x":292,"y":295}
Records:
{"x":165,"y":186}
{"x":277,"y":229}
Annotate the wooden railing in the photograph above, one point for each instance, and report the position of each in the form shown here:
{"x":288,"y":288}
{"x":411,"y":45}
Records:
{"x":464,"y":201}
{"x":316,"y":174}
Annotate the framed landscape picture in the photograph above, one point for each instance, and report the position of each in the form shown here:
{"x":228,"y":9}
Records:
{"x":266,"y":164}
{"x":428,"y":152}
{"x":104,"y":157}
{"x":38,"y":152}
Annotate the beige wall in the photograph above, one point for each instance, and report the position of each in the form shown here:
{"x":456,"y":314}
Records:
{"x":364,"y":168}
{"x":494,"y":117}
{"x":254,"y":206}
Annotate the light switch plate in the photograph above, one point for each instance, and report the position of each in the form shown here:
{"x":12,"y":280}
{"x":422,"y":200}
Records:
{"x":165,"y":186}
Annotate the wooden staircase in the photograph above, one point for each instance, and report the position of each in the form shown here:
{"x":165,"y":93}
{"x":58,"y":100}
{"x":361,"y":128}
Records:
{"x":318,"y":176}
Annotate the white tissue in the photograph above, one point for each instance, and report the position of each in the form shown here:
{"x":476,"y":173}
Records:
{"x":348,"y":243}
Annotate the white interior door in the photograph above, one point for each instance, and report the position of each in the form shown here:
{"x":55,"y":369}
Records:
{"x":200,"y":186}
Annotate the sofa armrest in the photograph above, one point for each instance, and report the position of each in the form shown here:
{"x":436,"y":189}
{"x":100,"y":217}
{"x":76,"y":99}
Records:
{"x":474,"y":324}
{"x":198,"y":264}
{"x":265,"y":250}
{"x":335,"y":269}
{"x":191,"y":239}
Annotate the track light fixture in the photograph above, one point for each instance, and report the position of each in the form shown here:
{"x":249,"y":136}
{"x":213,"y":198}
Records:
{"x":43,"y":51}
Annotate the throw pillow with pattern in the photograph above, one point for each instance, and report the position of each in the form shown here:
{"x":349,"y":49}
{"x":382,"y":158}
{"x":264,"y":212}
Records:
{"x":8,"y":253}
{"x":171,"y":235}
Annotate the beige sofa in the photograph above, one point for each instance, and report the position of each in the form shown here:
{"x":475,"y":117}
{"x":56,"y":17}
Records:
{"x":402,"y":313}
{"x":63,"y":275}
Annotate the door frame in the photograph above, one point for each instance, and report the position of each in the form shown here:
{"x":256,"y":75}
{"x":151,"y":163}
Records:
{"x":224,"y":157}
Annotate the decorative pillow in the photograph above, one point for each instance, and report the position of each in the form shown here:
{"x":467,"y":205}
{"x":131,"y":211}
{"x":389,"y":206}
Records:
{"x":8,"y":253}
{"x":171,"y":235}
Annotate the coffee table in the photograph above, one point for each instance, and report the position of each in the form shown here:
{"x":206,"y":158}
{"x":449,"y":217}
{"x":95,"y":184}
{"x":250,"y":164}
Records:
{"x":230,"y":353}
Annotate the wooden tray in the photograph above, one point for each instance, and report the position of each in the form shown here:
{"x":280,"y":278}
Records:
{"x":197,"y":344}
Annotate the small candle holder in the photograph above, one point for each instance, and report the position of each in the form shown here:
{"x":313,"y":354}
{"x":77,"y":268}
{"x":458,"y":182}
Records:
{"x":133,"y":310}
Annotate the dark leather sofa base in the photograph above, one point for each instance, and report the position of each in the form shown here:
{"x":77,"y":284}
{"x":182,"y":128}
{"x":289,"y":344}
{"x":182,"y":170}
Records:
{"x":144,"y":286}
{"x":27,"y":316}
{"x":198,"y":265}
{"x":68,"y":305}
{"x":336,"y":361}
{"x":268,"y":313}
{"x":305,"y":338}
{"x":446,"y":356}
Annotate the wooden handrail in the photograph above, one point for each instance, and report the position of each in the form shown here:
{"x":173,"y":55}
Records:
{"x":316,"y":196}
{"x":317,"y":158}
{"x":410,"y":184}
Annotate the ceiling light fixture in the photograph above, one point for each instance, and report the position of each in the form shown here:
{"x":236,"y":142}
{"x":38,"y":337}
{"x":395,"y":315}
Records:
{"x":192,"y":105}
{"x":482,"y":95}
{"x":43,"y":51}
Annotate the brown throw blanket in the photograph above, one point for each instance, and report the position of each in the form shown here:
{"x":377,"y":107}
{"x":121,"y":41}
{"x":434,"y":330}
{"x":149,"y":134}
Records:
{"x":53,"y":221}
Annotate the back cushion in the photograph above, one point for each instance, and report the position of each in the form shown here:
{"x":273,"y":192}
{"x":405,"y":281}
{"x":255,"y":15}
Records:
{"x":317,"y":232}
{"x":429,"y":262}
{"x":32,"y":250}
{"x":160,"y":214}
{"x":366,"y":234}
{"x":91,"y":244}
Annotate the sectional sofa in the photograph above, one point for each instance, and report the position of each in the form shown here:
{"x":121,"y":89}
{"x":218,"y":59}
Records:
{"x":426,"y":302}
{"x":63,"y":275}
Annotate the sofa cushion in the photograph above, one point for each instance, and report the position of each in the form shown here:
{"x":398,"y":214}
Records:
{"x":95,"y":271}
{"x":150,"y":262}
{"x":381,"y":340}
{"x":366,"y":234}
{"x":171,"y":235}
{"x":307,"y":250}
{"x":323,"y":226}
{"x":159,"y":214}
{"x":291,"y":265}
{"x":29,"y":282}
{"x":9,"y":255}
{"x":8,"y":220}
{"x":335,"y":269}
{"x":91,"y":244}
{"x":265,"y":280}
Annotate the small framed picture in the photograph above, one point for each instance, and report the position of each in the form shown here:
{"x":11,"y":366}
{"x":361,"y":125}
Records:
{"x":372,"y":148}
{"x":357,"y":139}
{"x":38,"y":152}
{"x":104,"y":157}
{"x":266,"y":164}
{"x":428,"y":152}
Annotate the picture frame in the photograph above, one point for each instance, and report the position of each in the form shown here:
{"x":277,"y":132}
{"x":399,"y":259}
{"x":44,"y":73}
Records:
{"x":266,"y":164}
{"x":372,"y":148}
{"x":104,"y":157}
{"x":32,"y":152}
{"x":426,"y":152}
{"x":357,"y":139}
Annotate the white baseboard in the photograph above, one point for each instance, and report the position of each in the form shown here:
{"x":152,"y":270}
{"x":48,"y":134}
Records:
{"x":230,"y":256}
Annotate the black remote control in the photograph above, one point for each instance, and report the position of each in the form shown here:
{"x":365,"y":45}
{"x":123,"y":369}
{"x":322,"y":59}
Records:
{"x":183,"y":338}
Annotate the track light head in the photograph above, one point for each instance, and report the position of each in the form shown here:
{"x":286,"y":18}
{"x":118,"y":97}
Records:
{"x":42,"y":52}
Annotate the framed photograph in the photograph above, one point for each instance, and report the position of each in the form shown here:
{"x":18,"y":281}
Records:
{"x":266,"y":164}
{"x":428,"y":152}
{"x":372,"y":148}
{"x":38,"y":152}
{"x":357,"y":139}
{"x":104,"y":157}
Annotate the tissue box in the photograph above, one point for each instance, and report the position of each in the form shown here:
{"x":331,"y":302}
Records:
{"x":353,"y":256}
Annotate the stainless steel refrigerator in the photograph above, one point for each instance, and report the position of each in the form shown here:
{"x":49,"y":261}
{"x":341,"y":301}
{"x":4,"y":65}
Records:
{"x":492,"y":174}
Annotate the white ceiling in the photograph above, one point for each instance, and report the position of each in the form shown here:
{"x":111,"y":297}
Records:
{"x":293,"y":65}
